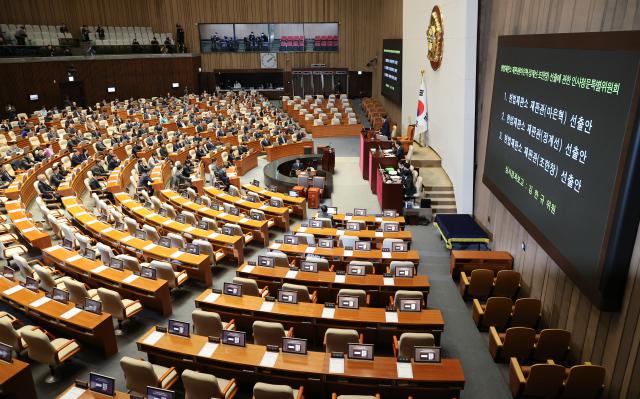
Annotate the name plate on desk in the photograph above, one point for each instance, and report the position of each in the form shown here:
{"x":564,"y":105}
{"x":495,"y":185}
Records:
{"x":39,"y":302}
{"x":176,"y":254}
{"x":275,"y":246}
{"x":291,"y":274}
{"x":269,"y":359}
{"x":339,"y":232}
{"x":336,"y":366}
{"x":73,"y":393}
{"x":130,"y":279}
{"x":405,"y":370}
{"x":302,"y":229}
{"x":74,"y":258}
{"x":99,"y":269}
{"x":153,"y":338}
{"x":309,"y":250}
{"x":391,"y":317}
{"x":212,"y":297}
{"x":347,"y":253}
{"x":12,"y":290}
{"x":149,"y":247}
{"x":213,"y":235}
{"x":328,"y":313}
{"x":127,"y":238}
{"x":248,"y":268}
{"x":208,"y":349}
{"x":189,"y":229}
{"x":222,"y":214}
{"x":266,"y":307}
{"x":107,"y":230}
{"x":167,"y":222}
{"x":378,"y":219}
{"x":340,"y":278}
{"x":70,"y":313}
{"x":388,"y":281}
{"x":263,"y":207}
{"x":379,"y":234}
{"x":386,"y":255}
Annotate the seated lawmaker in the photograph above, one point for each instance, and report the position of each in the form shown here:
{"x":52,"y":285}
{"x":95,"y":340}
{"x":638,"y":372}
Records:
{"x":98,"y":171}
{"x":145,"y":183}
{"x":46,"y":191}
{"x":5,"y":177}
{"x":112,"y":160}
{"x":297,"y":167}
{"x":78,"y":157}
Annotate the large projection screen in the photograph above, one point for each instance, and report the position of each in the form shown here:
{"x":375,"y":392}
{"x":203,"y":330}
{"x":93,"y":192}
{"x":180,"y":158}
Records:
{"x":563,"y":147}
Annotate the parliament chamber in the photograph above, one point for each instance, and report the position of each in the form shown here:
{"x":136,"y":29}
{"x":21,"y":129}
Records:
{"x":345,"y":199}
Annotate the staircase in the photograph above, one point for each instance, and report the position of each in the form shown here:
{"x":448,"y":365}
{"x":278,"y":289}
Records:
{"x":435,"y":181}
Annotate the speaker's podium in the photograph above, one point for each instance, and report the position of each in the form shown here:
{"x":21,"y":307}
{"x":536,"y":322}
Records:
{"x":328,"y":158}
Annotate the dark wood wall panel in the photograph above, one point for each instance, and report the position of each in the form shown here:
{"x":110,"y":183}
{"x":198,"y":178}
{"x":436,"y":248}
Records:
{"x":610,"y":339}
{"x":139,"y":77}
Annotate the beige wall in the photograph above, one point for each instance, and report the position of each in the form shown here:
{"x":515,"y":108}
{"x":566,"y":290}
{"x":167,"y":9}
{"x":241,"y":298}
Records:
{"x":610,"y":339}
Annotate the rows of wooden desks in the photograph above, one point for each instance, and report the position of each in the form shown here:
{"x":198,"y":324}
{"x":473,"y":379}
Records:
{"x":260,"y":228}
{"x":371,"y":221}
{"x":316,"y":371}
{"x":311,"y":320}
{"x":298,"y":205}
{"x":280,"y":215}
{"x":224,"y":245}
{"x":369,"y":235}
{"x":85,"y":326}
{"x":197,"y":266}
{"x":327,"y":284}
{"x":340,"y":257}
{"x":25,"y":225}
{"x":154,"y":294}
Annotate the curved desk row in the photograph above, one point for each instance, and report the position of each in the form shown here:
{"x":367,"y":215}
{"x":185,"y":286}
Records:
{"x":311,"y":320}
{"x":197,"y":266}
{"x":151,"y":293}
{"x":328,"y":284}
{"x":315,"y":370}
{"x":372,"y":221}
{"x":259,"y":228}
{"x":25,"y":225}
{"x":280,"y":215}
{"x":369,"y":235}
{"x":87,"y":327}
{"x":286,"y":150}
{"x":297,"y":204}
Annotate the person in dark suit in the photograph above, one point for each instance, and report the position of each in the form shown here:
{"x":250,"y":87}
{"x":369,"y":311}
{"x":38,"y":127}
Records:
{"x":385,"y":130}
{"x":56,"y":177}
{"x":296,"y":167}
{"x":5,"y":177}
{"x":142,"y":168}
{"x":100,"y":146}
{"x":399,"y":151}
{"x":163,"y":152}
{"x":145,"y":183}
{"x":98,"y":171}
{"x":282,"y":139}
{"x":78,"y":158}
{"x":46,"y":191}
{"x":265,"y":142}
{"x":112,"y":160}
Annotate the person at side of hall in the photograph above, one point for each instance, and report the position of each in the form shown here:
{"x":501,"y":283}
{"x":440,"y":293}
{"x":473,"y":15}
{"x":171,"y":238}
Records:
{"x":78,"y":157}
{"x":399,"y":151}
{"x":135,"y":46}
{"x":155,"y":45}
{"x":21,"y":35}
{"x":409,"y":189}
{"x":145,"y":183}
{"x":46,"y":191}
{"x":5,"y":177}
{"x":296,"y":167}
{"x":112,"y":160}
{"x":179,"y":35}
{"x":63,"y":28}
{"x":100,"y":32}
{"x":385,"y":130}
{"x":84,"y":33}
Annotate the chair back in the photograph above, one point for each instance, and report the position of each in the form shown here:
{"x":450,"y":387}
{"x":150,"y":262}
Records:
{"x":9,"y":335}
{"x":302,"y":290}
{"x":544,"y":381}
{"x":138,"y":374}
{"x":280,"y":259}
{"x":322,"y":263}
{"x":408,"y":341}
{"x":171,"y":211}
{"x":206,"y":249}
{"x":338,"y":340}
{"x":39,"y":347}
{"x":200,"y":385}
{"x":206,"y":323}
{"x":368,"y":266}
{"x":270,"y":391}
{"x":152,"y":233}
{"x":406,"y":294}
{"x":165,"y":272}
{"x":480,"y":283}
{"x":347,"y":241}
{"x":177,"y":241}
{"x":267,"y":333}
{"x":132,"y":225}
{"x":105,"y":253}
{"x":112,"y":303}
{"x":584,"y":382}
{"x":25,"y":269}
{"x":130,"y":262}
{"x":526,"y":312}
{"x":47,"y":282}
{"x":506,"y":284}
{"x":235,"y":228}
{"x":360,"y":294}
{"x":497,"y":312}
{"x":553,"y":343}
{"x":249,"y":286}
{"x":84,"y":242}
{"x":77,"y":291}
{"x":518,"y":343}
{"x":387,"y":243}
{"x":308,"y":238}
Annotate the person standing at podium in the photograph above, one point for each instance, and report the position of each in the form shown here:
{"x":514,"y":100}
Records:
{"x":385,"y":130}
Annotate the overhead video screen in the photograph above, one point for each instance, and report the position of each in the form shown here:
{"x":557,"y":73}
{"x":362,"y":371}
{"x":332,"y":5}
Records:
{"x":392,"y":70}
{"x":288,"y":37}
{"x":562,"y":148}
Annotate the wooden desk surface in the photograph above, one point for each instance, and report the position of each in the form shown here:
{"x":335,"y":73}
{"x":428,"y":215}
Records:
{"x":428,"y":318}
{"x":363,"y":234}
{"x":90,"y":222}
{"x":10,"y":370}
{"x":481,"y":255}
{"x":16,"y":380}
{"x":272,"y":194}
{"x":268,"y":209}
{"x":314,"y":363}
{"x":26,"y":227}
{"x":342,"y":217}
{"x":329,"y":278}
{"x":97,"y":329}
{"x":375,"y":255}
{"x":148,"y":291}
{"x":286,"y":150}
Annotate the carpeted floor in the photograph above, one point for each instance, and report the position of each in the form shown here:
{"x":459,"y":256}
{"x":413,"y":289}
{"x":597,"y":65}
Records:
{"x":461,"y":338}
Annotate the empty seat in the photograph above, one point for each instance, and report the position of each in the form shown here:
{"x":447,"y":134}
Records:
{"x":78,"y":291}
{"x":271,"y":391}
{"x":406,"y":294}
{"x":307,"y":238}
{"x":507,"y":284}
{"x":205,"y":386}
{"x":12,"y":337}
{"x":515,"y":342}
{"x":250,"y":287}
{"x":552,"y":343}
{"x":269,"y":333}
{"x":303,"y":292}
{"x":121,"y":309}
{"x":139,"y":374}
{"x":495,"y":312}
{"x":539,"y":381}
{"x":209,"y":323}
{"x":404,"y":347}
{"x":50,"y":352}
{"x":363,"y":297}
{"x":584,"y":381}
{"x":526,"y":313}
{"x":479,"y":285}
{"x":338,"y":340}
{"x":165,"y":271}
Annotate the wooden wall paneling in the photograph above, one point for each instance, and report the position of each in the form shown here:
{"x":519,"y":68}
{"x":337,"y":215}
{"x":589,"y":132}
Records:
{"x":610,"y":339}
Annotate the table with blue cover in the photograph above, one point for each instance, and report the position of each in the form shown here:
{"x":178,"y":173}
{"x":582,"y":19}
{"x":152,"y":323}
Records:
{"x":460,"y":231}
